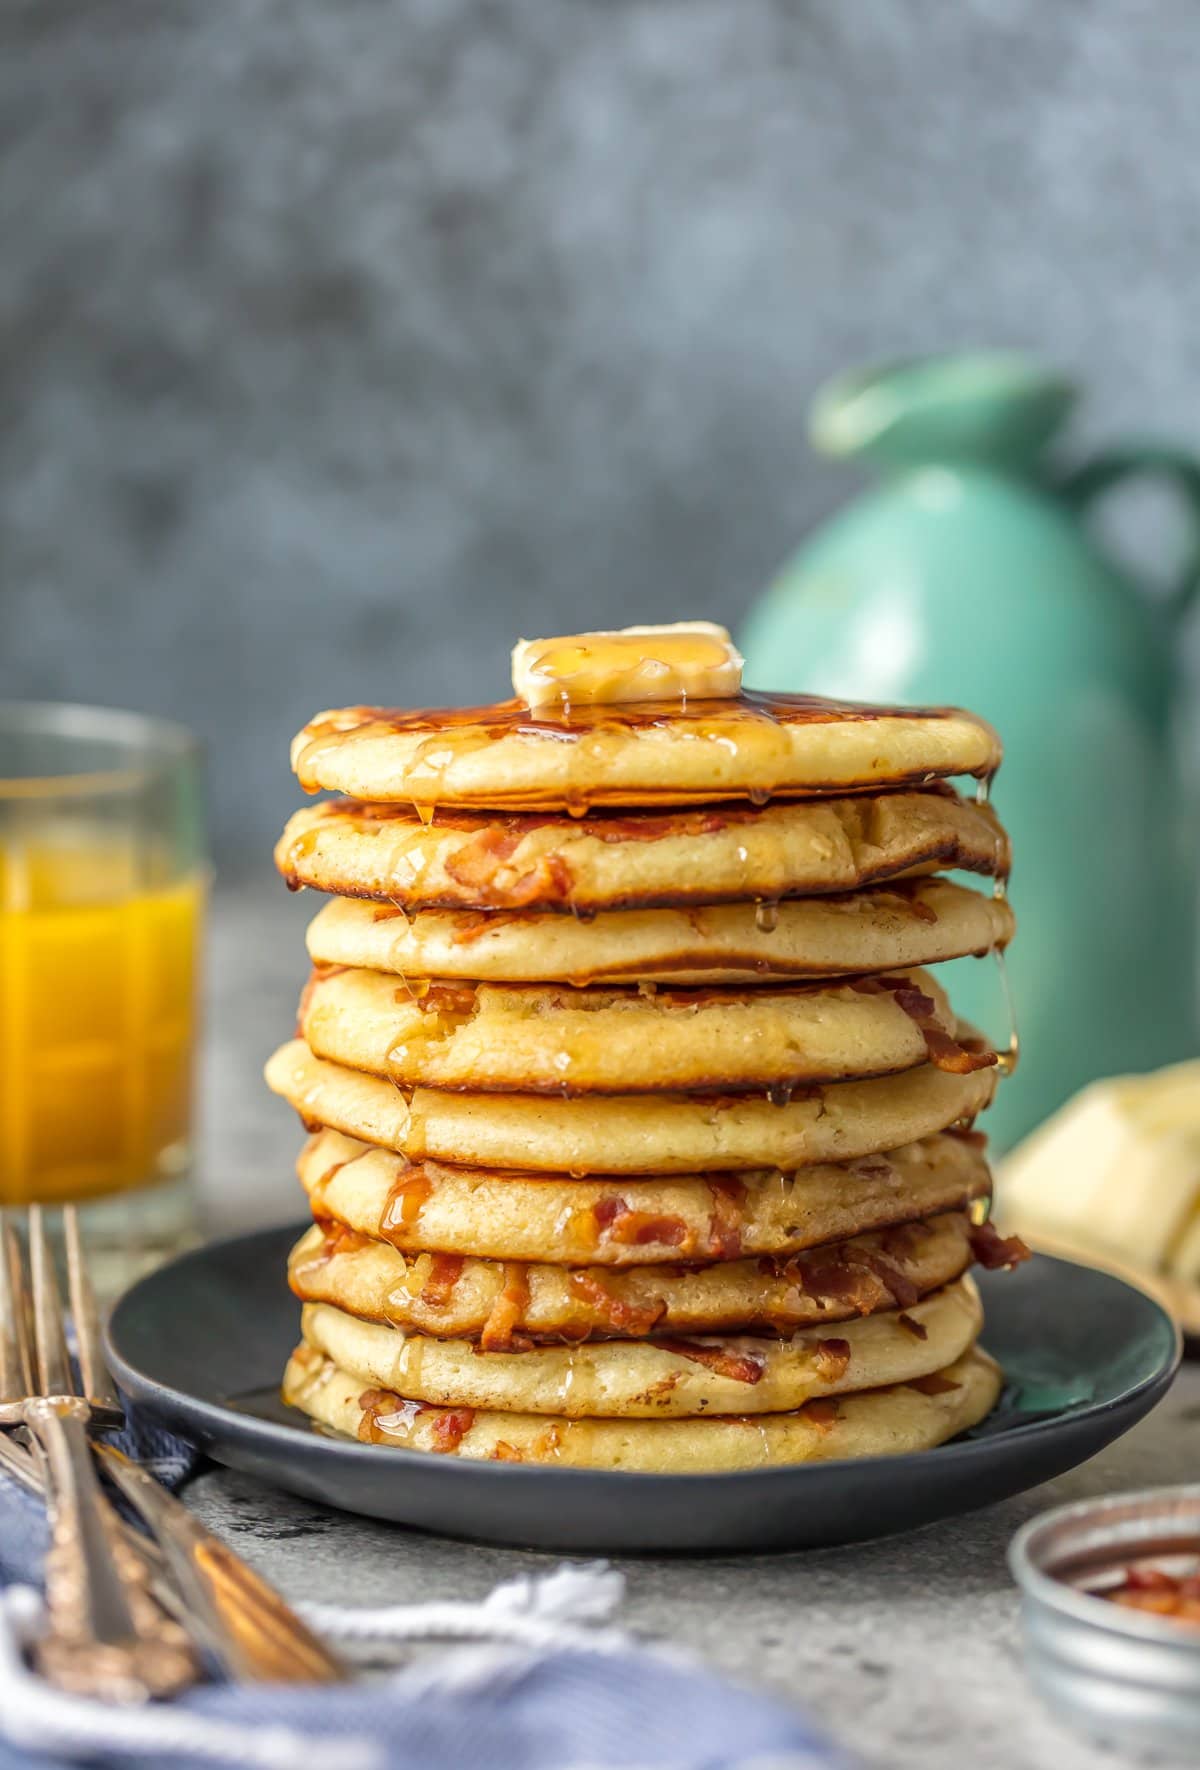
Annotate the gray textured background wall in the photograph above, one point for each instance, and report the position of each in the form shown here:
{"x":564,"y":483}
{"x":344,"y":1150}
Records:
{"x":342,"y":342}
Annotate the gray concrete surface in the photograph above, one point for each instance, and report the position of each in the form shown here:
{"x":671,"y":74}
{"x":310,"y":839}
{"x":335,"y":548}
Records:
{"x":906,"y":1648}
{"x":340,"y":344}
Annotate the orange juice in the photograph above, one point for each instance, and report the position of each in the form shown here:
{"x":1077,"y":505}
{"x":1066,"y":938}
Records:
{"x":98,"y":1006}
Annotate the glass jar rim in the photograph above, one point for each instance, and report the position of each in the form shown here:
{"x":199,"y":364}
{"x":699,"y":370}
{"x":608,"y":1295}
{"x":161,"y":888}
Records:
{"x":156,"y":746}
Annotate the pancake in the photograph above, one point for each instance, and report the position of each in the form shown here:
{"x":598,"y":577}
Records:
{"x":874,"y":1423}
{"x":648,"y":1379}
{"x":914,"y":922}
{"x":428,"y":1207}
{"x":648,"y":753}
{"x":555,"y":1039}
{"x":630,"y":1133}
{"x":511,"y":1303}
{"x":470,"y":860}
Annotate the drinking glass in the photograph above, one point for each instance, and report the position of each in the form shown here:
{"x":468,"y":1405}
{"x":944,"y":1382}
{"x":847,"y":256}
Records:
{"x":103,"y":881}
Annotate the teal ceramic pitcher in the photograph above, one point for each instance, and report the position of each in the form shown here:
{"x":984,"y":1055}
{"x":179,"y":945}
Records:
{"x":968,"y":575}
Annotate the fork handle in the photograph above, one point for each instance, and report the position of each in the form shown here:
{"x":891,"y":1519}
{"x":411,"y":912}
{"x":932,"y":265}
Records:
{"x":245,"y":1622}
{"x":105,"y":1636}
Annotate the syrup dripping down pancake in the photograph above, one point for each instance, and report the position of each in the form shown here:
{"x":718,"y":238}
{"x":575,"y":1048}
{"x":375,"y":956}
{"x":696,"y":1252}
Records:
{"x":428,"y":1206}
{"x":655,"y":1378}
{"x":649,"y":753}
{"x":720,"y":854}
{"x":542,"y":1039}
{"x":915,"y":922}
{"x":630,"y":1133}
{"x":505,"y":1304}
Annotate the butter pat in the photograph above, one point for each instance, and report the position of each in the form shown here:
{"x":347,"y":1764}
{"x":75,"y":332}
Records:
{"x":692,"y":660}
{"x":1118,"y":1170}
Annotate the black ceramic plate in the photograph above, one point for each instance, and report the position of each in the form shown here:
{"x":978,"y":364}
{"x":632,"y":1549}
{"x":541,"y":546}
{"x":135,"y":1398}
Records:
{"x":201,"y":1344}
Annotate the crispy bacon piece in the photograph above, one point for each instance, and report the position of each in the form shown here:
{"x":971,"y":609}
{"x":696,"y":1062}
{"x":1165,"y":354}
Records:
{"x":725,"y":1221}
{"x":942,"y":1049}
{"x":831,"y":1359}
{"x":833,"y":1278}
{"x":903,"y":1289}
{"x":627,"y":1318}
{"x":619,"y":1222}
{"x":457,"y":1000}
{"x":823,"y":1413}
{"x":450,"y":1427}
{"x":917,"y":1329}
{"x":445,"y":1270}
{"x":503,"y":1452}
{"x":935,"y":1383}
{"x":478,"y":860}
{"x":738,"y":1367}
{"x":1160,"y":1593}
{"x":960,"y":1060}
{"x":508,"y":1311}
{"x":967,"y":1134}
{"x":993,"y":1250}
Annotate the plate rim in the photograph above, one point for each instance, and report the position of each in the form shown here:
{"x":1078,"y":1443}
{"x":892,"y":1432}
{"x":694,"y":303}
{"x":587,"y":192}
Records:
{"x":148,"y":1391}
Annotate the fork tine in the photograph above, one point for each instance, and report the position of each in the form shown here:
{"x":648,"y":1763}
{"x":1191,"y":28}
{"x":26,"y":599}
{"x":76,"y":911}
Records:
{"x":54,"y":1375}
{"x":16,"y":1376}
{"x":97,"y":1384}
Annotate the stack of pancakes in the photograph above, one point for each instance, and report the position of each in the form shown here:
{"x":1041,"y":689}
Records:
{"x":641,"y":1138}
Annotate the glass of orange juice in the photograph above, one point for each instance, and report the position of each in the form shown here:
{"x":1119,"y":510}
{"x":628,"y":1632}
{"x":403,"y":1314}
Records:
{"x":103,"y":878}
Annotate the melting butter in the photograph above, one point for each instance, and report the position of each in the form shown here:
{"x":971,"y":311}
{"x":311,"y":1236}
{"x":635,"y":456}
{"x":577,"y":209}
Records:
{"x":689,"y":660}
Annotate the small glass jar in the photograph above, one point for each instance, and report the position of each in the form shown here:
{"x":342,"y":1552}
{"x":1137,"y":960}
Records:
{"x":103,"y":882}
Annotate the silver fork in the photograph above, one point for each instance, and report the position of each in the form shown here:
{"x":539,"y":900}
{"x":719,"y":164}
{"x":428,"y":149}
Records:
{"x":106,"y":1635}
{"x":242,"y":1621}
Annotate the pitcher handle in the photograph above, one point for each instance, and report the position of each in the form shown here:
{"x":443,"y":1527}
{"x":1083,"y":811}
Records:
{"x":1093,"y":478}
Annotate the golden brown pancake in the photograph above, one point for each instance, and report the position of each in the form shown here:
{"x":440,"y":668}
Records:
{"x":913,"y":922}
{"x":513,"y":1303}
{"x":428,"y":1207}
{"x":719,"y":854}
{"x":555,"y":1039}
{"x":655,"y":1378}
{"x":630,"y":1133}
{"x":873,"y":1423}
{"x":649,"y":753}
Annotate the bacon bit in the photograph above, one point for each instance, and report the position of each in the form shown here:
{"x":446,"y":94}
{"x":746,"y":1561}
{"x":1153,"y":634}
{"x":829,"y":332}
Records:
{"x":738,"y":1367}
{"x":836,"y":1279}
{"x":372,"y":1398}
{"x":924,"y":912}
{"x":607,"y":1210}
{"x":917,"y":1329}
{"x":503,"y":1452}
{"x":450,"y":1428}
{"x":387,"y":912}
{"x":915,"y":1003}
{"x":508,"y":1311}
{"x":897,"y":1241}
{"x":967,"y":1134}
{"x":445,"y":1270}
{"x":339,"y":1239}
{"x":823,"y":1413}
{"x":458,"y":1000}
{"x":993,"y":1250}
{"x":903,"y":1290}
{"x":476,"y":862}
{"x":725,"y":1222}
{"x":933,"y":1384}
{"x":628,"y":1318}
{"x":1152,"y":1590}
{"x":831,"y":1359}
{"x":960,"y":1060}
{"x":470,"y":924}
{"x":618,"y":1222}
